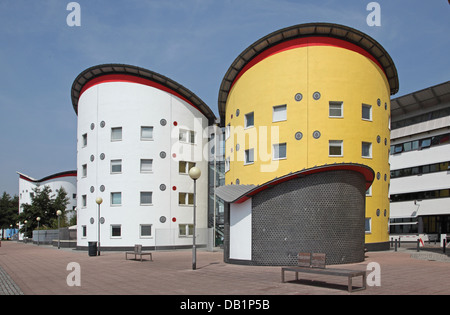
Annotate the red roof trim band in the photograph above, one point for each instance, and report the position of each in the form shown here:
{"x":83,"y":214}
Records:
{"x":306,"y":42}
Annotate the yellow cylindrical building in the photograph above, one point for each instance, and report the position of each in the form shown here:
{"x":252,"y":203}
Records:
{"x":311,"y":95}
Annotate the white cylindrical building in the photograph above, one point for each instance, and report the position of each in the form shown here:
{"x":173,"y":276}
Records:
{"x":138,"y":135}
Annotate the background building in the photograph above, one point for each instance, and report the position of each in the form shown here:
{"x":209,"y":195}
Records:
{"x":420,"y":157}
{"x":66,"y":180}
{"x":307,"y":96}
{"x":138,"y":135}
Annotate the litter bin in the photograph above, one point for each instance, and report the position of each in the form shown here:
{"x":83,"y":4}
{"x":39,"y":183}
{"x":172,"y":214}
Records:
{"x":92,"y":248}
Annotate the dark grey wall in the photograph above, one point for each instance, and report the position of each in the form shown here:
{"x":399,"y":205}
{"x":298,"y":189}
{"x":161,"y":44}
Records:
{"x":322,"y":213}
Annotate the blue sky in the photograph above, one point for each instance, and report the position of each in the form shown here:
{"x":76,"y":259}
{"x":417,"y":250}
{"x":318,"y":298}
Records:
{"x":190,"y":41}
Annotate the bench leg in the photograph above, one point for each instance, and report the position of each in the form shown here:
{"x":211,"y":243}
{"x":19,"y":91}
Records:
{"x":282,"y":276}
{"x":350,"y":284}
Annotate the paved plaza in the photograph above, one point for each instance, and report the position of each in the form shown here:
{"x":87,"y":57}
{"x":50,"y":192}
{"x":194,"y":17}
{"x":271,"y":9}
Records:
{"x":44,"y":270}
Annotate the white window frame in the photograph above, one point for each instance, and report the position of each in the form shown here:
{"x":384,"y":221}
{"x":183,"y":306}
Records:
{"x":246,"y":120}
{"x":83,"y":201}
{"x":112,"y":226}
{"x":185,"y":201}
{"x":184,"y":167}
{"x":336,"y":143}
{"x":112,"y":198}
{"x":278,"y":114}
{"x":151,"y":198}
{"x":187,"y":136}
{"x":84,"y":170}
{"x":145,"y":225}
{"x":84,"y":140}
{"x":370,"y":149}
{"x":227,"y":131}
{"x":151,"y":166}
{"x":188,"y":228}
{"x":249,"y":156}
{"x":116,"y":129}
{"x":370,"y":226}
{"x":116,"y":162}
{"x":336,"y":104}
{"x":276,"y":148}
{"x":370,"y":112}
{"x":227,"y":164}
{"x":143,"y":138}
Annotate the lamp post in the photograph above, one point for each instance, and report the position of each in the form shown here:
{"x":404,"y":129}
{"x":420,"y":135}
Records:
{"x":194,"y":173}
{"x":58,"y":213}
{"x":38,"y":219}
{"x":99,"y":201}
{"x":25,"y":238}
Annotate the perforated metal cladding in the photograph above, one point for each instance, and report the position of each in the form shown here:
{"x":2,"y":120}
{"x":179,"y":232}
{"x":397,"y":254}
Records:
{"x":321,"y":213}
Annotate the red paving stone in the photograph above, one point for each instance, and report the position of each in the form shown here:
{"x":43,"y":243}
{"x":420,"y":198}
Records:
{"x":42,"y":270}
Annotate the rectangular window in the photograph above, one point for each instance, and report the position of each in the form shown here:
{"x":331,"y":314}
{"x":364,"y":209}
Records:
{"x":116,"y":134}
{"x":84,"y":170}
{"x":227,"y":131}
{"x":227,"y":164}
{"x":184,"y":167}
{"x":185,"y":199}
{"x":185,"y":230}
{"x":146,"y":198}
{"x":249,"y":120}
{"x":368,"y":225}
{"x":146,"y":133}
{"x":279,"y":113}
{"x":366,"y":150}
{"x":366,"y":112}
{"x":83,"y":231}
{"x":249,"y":156}
{"x":146,"y":165}
{"x":279,"y":151}
{"x":84,"y":139}
{"x":116,"y":166}
{"x":84,"y":201}
{"x":146,"y":230}
{"x":336,"y":109}
{"x":116,"y":198}
{"x":187,"y":136}
{"x":116,"y":230}
{"x":425,"y":143}
{"x":335,"y":148}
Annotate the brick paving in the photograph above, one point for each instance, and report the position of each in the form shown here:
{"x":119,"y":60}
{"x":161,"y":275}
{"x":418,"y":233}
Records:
{"x":43,"y":270}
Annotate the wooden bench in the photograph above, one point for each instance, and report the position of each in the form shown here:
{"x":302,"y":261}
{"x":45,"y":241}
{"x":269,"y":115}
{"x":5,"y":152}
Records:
{"x":138,"y":252}
{"x":315,"y":264}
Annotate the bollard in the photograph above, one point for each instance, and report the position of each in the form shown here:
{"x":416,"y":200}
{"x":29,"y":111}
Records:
{"x":399,"y":241}
{"x":395,"y":246}
{"x":444,"y":241}
{"x":418,"y":245}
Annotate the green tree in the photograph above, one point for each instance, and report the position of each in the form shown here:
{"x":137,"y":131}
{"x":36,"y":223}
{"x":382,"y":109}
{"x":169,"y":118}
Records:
{"x":9,"y":209}
{"x":44,"y":204}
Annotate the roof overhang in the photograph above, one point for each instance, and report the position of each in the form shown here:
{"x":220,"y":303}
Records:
{"x":337,"y":31}
{"x":95,"y":73}
{"x":423,"y":100}
{"x":47,"y":178}
{"x":241,"y":193}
